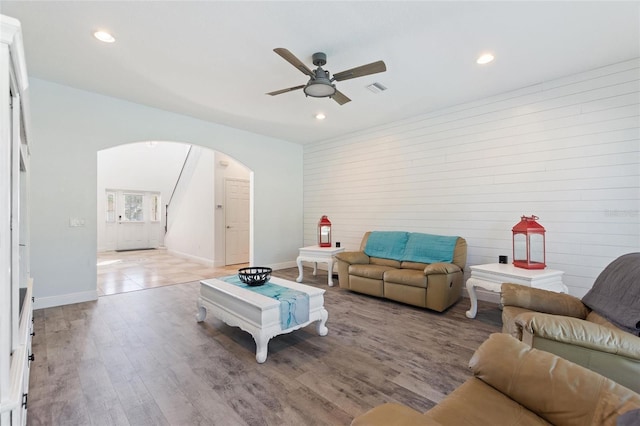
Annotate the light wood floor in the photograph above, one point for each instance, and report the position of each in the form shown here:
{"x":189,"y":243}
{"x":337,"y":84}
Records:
{"x":140,"y":358}
{"x":120,"y":272}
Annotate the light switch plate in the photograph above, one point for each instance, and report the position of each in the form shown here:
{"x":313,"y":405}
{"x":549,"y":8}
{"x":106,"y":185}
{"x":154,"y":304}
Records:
{"x":75,"y":222}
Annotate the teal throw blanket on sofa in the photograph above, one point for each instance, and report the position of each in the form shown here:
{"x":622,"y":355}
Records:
{"x":386,"y":244}
{"x":410,"y":246}
{"x":427,"y":248}
{"x":294,"y":304}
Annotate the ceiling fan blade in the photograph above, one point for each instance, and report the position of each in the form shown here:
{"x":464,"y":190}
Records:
{"x":291,"y":58}
{"x":340,"y":98}
{"x":290,"y":89}
{"x":361,"y":71}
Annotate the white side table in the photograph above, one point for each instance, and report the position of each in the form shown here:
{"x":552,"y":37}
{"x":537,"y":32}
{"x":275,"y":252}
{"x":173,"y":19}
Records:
{"x":317,"y":254}
{"x":491,"y":277}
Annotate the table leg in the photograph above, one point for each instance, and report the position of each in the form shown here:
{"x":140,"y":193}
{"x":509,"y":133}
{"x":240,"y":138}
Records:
{"x":315,"y":268}
{"x":473,"y":297}
{"x":321,"y":327}
{"x":299,"y":262}
{"x":202,"y":312}
{"x":330,"y":273}
{"x":262,"y":343}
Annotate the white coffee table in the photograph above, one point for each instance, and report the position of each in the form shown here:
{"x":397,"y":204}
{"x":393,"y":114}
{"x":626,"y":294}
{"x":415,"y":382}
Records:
{"x":317,"y":254}
{"x":492,"y":275}
{"x":256,"y":314}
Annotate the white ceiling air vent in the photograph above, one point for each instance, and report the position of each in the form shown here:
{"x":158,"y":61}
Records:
{"x":376,"y":88}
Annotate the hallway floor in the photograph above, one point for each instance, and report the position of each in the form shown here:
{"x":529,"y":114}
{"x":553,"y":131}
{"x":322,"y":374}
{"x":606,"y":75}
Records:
{"x":121,"y":272}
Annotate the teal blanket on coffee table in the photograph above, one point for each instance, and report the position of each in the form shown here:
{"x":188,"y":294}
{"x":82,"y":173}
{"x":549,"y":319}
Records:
{"x":294,"y":304}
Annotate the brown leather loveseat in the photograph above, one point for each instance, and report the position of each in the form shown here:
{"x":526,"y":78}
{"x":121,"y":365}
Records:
{"x":517,"y":385}
{"x":419,"y":269}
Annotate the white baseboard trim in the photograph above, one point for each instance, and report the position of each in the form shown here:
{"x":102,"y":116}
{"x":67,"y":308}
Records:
{"x":65,"y":299}
{"x":283,"y":265}
{"x":202,"y":260}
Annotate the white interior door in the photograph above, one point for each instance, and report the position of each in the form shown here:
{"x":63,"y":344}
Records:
{"x":131,"y":221}
{"x":236,"y":221}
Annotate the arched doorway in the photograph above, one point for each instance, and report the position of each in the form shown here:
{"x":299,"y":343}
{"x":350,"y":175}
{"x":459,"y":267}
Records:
{"x":163,"y":215}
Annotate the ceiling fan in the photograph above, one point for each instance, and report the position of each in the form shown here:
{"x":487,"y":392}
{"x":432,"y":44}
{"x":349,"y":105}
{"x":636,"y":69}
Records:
{"x":320,"y":84}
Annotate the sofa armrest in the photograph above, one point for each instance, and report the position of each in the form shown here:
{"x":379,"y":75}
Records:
{"x":540,"y":300}
{"x":578,"y":332}
{"x":555,"y":389}
{"x":441,"y":268}
{"x":392,"y":414}
{"x":353,"y":257}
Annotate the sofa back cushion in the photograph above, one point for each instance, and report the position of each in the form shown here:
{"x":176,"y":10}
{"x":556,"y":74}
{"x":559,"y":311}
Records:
{"x":559,"y":391}
{"x":386,"y":244}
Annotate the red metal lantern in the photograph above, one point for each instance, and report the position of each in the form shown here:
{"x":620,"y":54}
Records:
{"x":324,"y":232}
{"x":528,"y":244}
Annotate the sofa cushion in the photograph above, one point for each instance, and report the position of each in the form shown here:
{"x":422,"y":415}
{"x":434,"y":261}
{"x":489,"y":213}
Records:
{"x":369,"y":271}
{"x":384,"y":262}
{"x":365,"y":285}
{"x":475,"y":403}
{"x":428,"y":248}
{"x":410,"y":277}
{"x":596,"y":318}
{"x":413,"y":265}
{"x":392,"y":414}
{"x":386,"y":244}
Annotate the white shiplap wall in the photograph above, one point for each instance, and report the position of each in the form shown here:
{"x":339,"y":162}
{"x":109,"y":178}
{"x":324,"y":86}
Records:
{"x":567,"y":151}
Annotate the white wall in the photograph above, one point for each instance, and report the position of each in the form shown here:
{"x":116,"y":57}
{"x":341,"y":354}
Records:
{"x":191,"y":224}
{"x":196,"y":225}
{"x":566,"y":150}
{"x":70,"y":126}
{"x":141,"y":166}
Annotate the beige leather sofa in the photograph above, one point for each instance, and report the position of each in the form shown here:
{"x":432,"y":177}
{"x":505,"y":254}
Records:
{"x":563,"y":325}
{"x":434,"y":286}
{"x":514,"y":384}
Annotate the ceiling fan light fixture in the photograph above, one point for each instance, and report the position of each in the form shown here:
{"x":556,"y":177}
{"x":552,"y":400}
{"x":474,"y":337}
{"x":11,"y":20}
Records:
{"x":320,"y":88}
{"x":320,"y":84}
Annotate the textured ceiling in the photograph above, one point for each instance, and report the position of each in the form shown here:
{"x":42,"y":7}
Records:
{"x":215,"y":60}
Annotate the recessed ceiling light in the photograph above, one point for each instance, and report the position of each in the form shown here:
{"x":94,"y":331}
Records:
{"x":320,"y":116}
{"x":485,"y":58}
{"x":104,"y":36}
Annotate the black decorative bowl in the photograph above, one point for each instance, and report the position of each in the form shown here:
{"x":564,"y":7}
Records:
{"x":254,"y":276}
